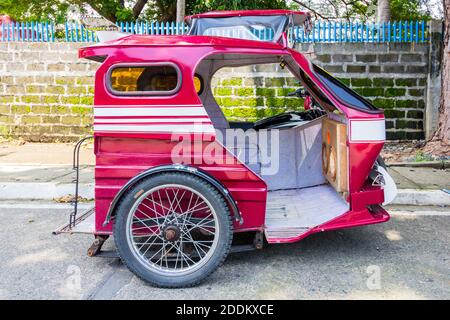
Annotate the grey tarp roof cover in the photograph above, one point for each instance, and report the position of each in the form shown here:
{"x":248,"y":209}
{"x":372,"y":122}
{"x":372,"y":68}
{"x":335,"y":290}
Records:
{"x":253,"y":27}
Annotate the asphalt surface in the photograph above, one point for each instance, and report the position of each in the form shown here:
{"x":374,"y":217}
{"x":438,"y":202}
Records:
{"x":405,"y":258}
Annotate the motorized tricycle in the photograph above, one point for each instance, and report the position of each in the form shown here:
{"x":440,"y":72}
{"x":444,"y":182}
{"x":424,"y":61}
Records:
{"x":179,"y":186}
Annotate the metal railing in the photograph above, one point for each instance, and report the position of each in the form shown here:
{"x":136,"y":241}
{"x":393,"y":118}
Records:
{"x":334,"y":31}
{"x":28,"y":31}
{"x":397,"y":31}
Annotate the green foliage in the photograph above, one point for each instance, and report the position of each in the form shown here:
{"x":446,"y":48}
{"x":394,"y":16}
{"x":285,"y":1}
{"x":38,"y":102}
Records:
{"x":240,"y":4}
{"x":113,"y":10}
{"x":401,"y":10}
{"x":406,"y":10}
{"x":420,"y":156}
{"x":35,"y":10}
{"x":165,"y":10}
{"x":124,"y":14}
{"x":57,"y":10}
{"x":359,"y":9}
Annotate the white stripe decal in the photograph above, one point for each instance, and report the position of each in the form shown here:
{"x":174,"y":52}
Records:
{"x":149,"y":111}
{"x":151,"y":120}
{"x":367,"y":130}
{"x":144,"y":105}
{"x":206,"y":128}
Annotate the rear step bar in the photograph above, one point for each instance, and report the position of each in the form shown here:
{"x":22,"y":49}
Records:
{"x":76,"y":167}
{"x":83,"y":224}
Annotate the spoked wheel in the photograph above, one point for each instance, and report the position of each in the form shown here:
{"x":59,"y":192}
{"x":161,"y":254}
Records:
{"x":173,"y":229}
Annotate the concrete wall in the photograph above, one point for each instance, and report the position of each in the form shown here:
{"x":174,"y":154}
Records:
{"x":47,"y":92}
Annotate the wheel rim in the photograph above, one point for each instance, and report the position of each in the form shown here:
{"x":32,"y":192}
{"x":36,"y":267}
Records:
{"x":172,"y":230}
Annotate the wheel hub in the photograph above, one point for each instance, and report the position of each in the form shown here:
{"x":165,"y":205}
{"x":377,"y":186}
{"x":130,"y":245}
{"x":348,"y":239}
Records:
{"x":171,"y":233}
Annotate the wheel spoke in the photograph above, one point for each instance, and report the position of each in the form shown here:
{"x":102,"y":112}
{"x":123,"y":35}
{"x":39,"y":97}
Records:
{"x":194,"y":209}
{"x":180,"y":209}
{"x":173,"y":228}
{"x":209,"y":223}
{"x":156,"y":212}
{"x":190,"y":209}
{"x":188,"y":258}
{"x":150,"y":259}
{"x":198,"y":225}
{"x":149,"y":246}
{"x":178,"y":254}
{"x":145,"y":226}
{"x":196,"y":247}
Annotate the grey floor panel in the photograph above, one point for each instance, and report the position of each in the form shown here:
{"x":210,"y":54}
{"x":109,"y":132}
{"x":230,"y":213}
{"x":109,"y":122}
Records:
{"x":298,"y":210}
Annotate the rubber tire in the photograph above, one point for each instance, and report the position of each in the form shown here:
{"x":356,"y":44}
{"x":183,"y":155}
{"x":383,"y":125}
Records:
{"x":223,"y":216}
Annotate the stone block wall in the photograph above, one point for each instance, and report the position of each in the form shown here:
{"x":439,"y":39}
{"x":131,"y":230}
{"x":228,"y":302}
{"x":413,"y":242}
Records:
{"x":46,"y":92}
{"x":254,"y":92}
{"x":392,"y":76}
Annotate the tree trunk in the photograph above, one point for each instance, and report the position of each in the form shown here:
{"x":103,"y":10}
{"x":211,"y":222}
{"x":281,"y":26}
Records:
{"x":383,"y":11}
{"x":443,"y":131}
{"x":137,"y":8}
{"x":439,"y":144}
{"x":181,"y":9}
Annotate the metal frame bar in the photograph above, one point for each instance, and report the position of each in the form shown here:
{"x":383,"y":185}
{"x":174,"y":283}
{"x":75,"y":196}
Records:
{"x":76,"y":167}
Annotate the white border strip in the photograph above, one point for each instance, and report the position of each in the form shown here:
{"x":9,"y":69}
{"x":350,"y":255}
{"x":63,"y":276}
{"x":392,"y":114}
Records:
{"x":185,"y":128}
{"x":367,"y":130}
{"x":149,"y":111}
{"x":151,"y":120}
{"x":120,"y":106}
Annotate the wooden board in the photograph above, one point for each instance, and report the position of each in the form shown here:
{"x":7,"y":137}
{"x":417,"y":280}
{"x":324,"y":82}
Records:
{"x":334,"y":154}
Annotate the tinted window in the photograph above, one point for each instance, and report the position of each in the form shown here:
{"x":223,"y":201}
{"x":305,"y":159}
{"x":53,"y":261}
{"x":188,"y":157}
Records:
{"x":266,"y":28}
{"x":312,"y":88}
{"x":342,"y":92}
{"x":153,"y":79}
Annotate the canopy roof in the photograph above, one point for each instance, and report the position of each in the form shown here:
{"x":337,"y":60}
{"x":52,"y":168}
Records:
{"x":182,"y":40}
{"x":163,"y":42}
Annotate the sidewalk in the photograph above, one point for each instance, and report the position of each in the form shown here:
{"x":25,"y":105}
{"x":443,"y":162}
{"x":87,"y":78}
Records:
{"x":41,"y":171}
{"x":44,"y":172}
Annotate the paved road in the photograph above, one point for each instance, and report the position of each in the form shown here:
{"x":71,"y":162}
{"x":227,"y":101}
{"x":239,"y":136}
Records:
{"x":408,"y":257}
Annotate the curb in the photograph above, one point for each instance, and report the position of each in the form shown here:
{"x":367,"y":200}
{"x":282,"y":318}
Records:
{"x":421,"y":198}
{"x":42,"y":190}
{"x":441,"y":164}
{"x":50,"y":191}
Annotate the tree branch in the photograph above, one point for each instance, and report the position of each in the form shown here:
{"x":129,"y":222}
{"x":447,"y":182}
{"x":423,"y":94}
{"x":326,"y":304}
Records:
{"x":137,"y":8}
{"x":336,"y":10}
{"x":96,"y":6}
{"x":352,"y":3}
{"x":312,"y":10}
